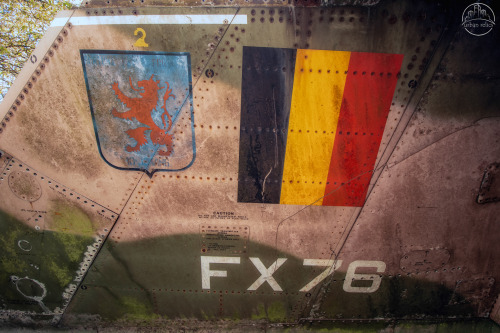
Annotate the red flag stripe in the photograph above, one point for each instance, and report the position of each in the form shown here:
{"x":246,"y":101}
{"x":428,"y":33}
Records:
{"x":368,"y":92}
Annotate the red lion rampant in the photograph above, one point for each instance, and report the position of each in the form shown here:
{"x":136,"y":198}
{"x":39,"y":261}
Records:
{"x":141,"y":109}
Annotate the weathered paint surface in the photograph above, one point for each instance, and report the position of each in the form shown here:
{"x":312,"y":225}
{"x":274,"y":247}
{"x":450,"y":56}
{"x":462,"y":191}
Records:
{"x":28,"y":257}
{"x":267,"y":81}
{"x":228,"y":286}
{"x":315,"y":162}
{"x":141,"y":104}
{"x":49,"y":236}
{"x":366,"y":102}
{"x":203,"y":247}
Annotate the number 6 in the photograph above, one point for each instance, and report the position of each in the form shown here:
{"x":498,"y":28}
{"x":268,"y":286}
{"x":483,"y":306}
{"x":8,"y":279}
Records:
{"x":375,"y":278}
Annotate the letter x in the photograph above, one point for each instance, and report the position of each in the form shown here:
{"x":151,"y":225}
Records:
{"x":266,"y":274}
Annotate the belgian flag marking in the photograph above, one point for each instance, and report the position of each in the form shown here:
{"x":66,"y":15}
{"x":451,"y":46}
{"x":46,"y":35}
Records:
{"x":311,"y":124}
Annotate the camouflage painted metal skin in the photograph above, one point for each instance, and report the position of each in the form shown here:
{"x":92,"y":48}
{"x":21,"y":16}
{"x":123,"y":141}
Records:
{"x":249,"y":166}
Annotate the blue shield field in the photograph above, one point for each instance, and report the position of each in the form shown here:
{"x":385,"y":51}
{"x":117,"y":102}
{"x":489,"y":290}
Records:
{"x":141,"y":105}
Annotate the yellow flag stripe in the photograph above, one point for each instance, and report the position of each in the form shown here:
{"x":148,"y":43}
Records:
{"x":316,"y":100}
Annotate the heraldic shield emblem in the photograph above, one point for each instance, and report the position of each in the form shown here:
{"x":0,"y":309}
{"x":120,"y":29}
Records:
{"x":141,"y":105}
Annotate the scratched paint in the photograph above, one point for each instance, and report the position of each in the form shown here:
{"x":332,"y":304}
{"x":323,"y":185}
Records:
{"x":141,"y":104}
{"x":24,"y":285}
{"x":37,"y":280}
{"x":172,"y":279}
{"x":313,"y":121}
{"x":333,"y":119}
{"x":264,"y":119}
{"x":370,"y":84}
{"x":393,"y":227}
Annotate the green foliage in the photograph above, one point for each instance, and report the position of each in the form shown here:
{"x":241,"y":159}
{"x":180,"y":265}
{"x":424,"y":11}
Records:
{"x":23,"y":23}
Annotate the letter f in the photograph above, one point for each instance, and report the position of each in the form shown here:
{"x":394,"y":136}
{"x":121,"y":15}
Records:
{"x":206,"y":273}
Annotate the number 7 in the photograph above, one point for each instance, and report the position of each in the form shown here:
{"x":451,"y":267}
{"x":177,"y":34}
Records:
{"x":331,"y":266}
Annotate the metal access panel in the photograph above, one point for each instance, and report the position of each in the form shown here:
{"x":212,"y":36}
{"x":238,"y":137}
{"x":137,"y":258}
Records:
{"x":205,"y":163}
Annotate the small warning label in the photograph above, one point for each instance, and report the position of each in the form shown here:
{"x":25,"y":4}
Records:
{"x":224,"y":239}
{"x":222,"y":215}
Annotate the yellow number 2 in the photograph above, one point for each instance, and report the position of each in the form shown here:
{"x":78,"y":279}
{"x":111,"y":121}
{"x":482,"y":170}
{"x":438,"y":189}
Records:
{"x":140,"y":42}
